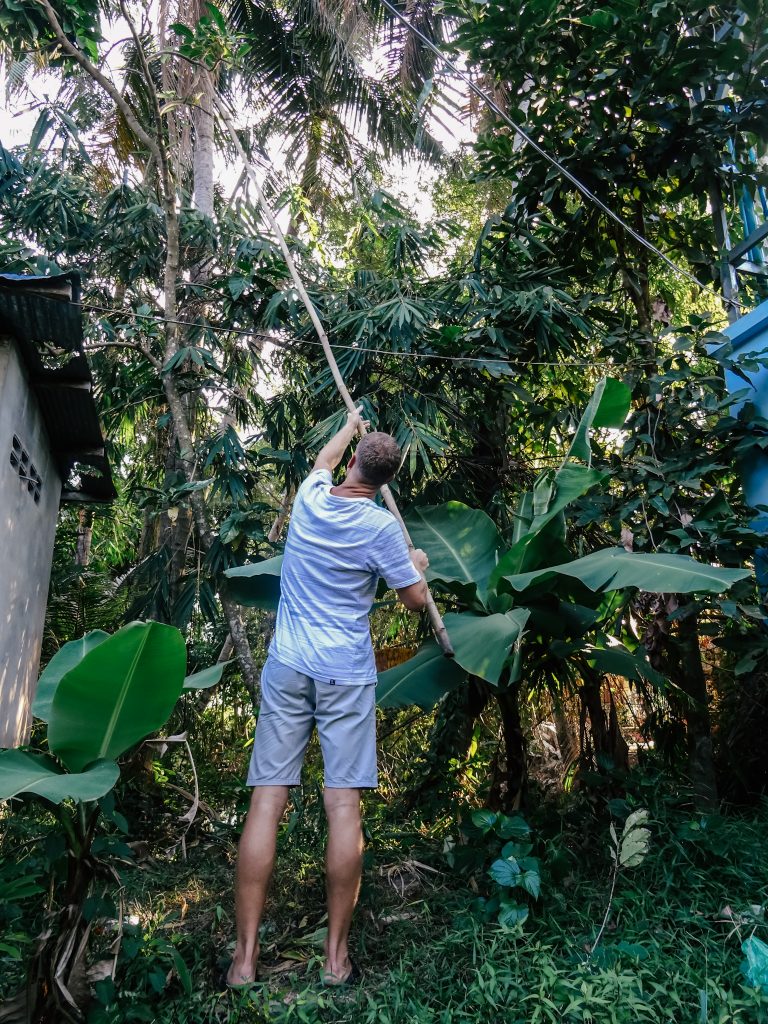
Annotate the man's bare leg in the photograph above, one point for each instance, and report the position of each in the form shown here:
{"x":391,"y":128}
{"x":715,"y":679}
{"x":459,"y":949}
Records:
{"x":344,"y":865}
{"x":255,"y":861}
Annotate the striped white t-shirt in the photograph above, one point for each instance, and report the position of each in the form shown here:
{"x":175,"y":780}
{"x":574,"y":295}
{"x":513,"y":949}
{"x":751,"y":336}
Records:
{"x":335,"y":551}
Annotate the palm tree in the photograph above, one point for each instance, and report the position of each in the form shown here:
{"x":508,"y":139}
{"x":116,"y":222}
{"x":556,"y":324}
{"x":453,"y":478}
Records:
{"x":311,"y":69}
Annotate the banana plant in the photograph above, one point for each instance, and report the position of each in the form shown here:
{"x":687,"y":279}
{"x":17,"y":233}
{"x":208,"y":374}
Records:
{"x":574,"y":606}
{"x":501,"y":591}
{"x":99,"y":696}
{"x":528,"y":608}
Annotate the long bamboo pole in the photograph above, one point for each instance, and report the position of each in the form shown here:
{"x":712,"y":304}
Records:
{"x":436,"y":621}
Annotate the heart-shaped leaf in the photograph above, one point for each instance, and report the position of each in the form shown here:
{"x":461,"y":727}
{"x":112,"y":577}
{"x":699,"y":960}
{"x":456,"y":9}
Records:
{"x":505,"y":872}
{"x":512,"y":914}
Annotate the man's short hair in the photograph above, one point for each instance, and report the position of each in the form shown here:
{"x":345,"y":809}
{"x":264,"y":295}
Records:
{"x":378,"y":458}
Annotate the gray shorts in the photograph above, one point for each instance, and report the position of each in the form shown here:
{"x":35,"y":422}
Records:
{"x":291,"y":704}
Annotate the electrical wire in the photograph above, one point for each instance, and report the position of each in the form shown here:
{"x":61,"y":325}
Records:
{"x":529,"y":140}
{"x":288,"y":347}
{"x":563,"y":170}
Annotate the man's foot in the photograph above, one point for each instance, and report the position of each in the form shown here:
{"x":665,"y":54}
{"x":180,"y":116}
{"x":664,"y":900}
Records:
{"x":242,"y":970}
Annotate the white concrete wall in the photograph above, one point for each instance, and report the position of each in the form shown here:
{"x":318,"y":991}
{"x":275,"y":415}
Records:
{"x":27,"y":531}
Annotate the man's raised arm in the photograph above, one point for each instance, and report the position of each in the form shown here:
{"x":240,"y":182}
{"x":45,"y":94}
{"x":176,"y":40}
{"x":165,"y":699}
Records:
{"x":332,"y":453}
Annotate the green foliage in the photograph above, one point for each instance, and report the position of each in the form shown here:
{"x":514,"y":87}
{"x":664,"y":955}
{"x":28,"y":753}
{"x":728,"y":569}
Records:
{"x":505,"y":839}
{"x":421,"y":680}
{"x":129,"y":684}
{"x":513,"y":870}
{"x":67,"y":657}
{"x":25,"y":25}
{"x":463,"y":545}
{"x":211,"y":40}
{"x":627,"y":97}
{"x":257,"y":584}
{"x":483,"y":641}
{"x":542,"y":285}
{"x":608,"y":407}
{"x":631,"y":848}
{"x":100,"y":696}
{"x":22,"y":772}
{"x":206,"y":678}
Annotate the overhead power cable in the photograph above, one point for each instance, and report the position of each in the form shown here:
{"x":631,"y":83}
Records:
{"x":560,"y":167}
{"x":400,"y":354}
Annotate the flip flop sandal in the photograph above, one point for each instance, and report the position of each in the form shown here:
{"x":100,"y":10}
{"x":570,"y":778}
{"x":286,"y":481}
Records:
{"x":223,"y":982}
{"x":353,"y":978}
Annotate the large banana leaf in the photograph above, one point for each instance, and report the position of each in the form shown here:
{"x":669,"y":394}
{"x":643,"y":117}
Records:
{"x":422,"y":680}
{"x":22,"y":772}
{"x":615,"y":568}
{"x":63,"y":660}
{"x":539,"y":524}
{"x":611,"y":657}
{"x":121,"y":690}
{"x":554,"y":619}
{"x":555,"y":490}
{"x":482,"y":642}
{"x":617,"y":660}
{"x":462,"y":543}
{"x":608,"y":407}
{"x":256,"y":585}
{"x":523,"y":517}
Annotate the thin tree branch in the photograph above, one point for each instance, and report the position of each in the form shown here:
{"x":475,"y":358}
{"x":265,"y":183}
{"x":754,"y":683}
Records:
{"x":282,"y":515}
{"x":104,"y":82}
{"x":164,"y":170}
{"x":125,"y":344}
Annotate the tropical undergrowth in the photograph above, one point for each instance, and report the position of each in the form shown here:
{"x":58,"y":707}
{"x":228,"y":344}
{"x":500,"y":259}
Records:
{"x":670,"y":949}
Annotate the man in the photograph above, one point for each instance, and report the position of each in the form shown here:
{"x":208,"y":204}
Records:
{"x":321,"y":671}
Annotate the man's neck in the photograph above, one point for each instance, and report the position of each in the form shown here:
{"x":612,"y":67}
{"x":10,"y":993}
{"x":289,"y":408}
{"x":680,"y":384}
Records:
{"x":354,"y":489}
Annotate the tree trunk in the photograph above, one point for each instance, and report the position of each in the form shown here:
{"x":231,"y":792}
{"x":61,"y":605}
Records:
{"x":510,"y":778}
{"x":567,"y":740}
{"x":679,"y":657}
{"x":84,"y":536}
{"x":202,"y":154}
{"x":634,"y":282}
{"x":691,"y":679}
{"x":174,"y":529}
{"x":605,"y":747}
{"x":451,"y":737}
{"x":224,"y":655}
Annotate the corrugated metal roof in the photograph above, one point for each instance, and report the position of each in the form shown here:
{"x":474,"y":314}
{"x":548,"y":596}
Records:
{"x":42,"y":315}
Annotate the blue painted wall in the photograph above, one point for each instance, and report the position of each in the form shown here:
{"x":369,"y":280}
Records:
{"x":749,"y":336}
